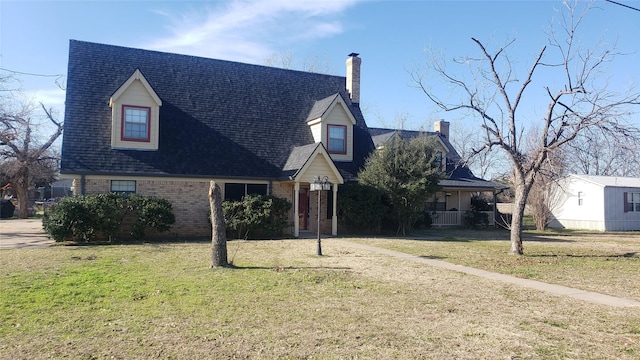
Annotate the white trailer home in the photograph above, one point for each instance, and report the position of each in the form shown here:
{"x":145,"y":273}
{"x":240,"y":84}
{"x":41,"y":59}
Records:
{"x":604,"y":203}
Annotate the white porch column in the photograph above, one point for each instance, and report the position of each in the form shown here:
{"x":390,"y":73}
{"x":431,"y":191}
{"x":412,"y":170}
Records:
{"x":334,"y":216}
{"x":459,"y":210}
{"x":296,"y":210}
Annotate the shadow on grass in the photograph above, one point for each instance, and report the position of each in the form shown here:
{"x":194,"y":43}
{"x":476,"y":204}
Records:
{"x":284,"y":268}
{"x":586,"y":256}
{"x":432,"y":257}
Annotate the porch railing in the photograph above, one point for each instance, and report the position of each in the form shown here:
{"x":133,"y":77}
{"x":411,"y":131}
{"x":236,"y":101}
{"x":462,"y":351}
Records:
{"x":453,"y":218}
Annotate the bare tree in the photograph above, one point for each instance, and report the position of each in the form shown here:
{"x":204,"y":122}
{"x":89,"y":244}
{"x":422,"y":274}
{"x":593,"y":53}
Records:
{"x":485,"y":163}
{"x":544,"y":197}
{"x":218,"y":233}
{"x":594,"y":154}
{"x":286,"y":60}
{"x":576,"y":102}
{"x":21,"y":150}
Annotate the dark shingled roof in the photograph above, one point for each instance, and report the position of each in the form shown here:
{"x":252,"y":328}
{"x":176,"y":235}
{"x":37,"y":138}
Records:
{"x":218,"y":118}
{"x":298,"y":157}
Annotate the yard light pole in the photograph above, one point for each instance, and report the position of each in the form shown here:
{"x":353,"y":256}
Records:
{"x":319,"y":185}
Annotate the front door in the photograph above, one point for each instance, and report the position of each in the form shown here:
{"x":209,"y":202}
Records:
{"x":303,"y":209}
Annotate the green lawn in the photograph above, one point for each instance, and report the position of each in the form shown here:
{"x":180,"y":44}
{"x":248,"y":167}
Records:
{"x":282,"y":302}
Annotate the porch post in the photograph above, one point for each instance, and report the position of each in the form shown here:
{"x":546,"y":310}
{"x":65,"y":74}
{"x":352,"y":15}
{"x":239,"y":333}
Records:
{"x":459,"y":211}
{"x":334,"y":216}
{"x":296,"y":210}
{"x":495,"y":208}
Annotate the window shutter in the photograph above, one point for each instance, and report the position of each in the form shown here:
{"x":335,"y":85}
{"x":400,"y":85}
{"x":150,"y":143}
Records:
{"x":626,"y":207}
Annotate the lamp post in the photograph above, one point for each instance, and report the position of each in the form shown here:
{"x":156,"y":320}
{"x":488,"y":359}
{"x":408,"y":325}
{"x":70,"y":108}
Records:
{"x":319,"y":185}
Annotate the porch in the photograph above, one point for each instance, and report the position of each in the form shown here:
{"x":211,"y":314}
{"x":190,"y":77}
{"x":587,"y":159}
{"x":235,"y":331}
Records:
{"x":454,"y":218}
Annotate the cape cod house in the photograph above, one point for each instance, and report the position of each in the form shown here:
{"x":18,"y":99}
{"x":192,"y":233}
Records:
{"x":165,"y":124}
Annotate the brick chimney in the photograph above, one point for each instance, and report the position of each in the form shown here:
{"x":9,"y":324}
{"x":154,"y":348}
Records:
{"x":353,"y":77}
{"x":441,"y":127}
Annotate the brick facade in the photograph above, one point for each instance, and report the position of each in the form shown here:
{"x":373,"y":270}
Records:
{"x":190,"y":202}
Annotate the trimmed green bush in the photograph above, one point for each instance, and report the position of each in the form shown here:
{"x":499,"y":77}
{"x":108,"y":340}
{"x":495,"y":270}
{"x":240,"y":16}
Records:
{"x":361,"y":208}
{"x":93,"y":217}
{"x":256,"y":216}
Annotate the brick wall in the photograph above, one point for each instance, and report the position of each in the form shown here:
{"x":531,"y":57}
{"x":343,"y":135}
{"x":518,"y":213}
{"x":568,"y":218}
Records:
{"x":189,"y":200}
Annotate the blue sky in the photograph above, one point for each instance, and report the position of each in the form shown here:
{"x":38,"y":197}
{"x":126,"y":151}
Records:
{"x":390,"y":36}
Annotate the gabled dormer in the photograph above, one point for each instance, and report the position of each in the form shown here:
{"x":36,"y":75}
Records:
{"x":135,"y":114}
{"x":331,"y":123}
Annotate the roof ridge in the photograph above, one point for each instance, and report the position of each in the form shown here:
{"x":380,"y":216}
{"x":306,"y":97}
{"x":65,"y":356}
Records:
{"x":201,"y":57}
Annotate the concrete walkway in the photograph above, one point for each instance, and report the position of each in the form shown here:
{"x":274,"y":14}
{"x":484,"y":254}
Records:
{"x":532,"y":284}
{"x":22,"y":233}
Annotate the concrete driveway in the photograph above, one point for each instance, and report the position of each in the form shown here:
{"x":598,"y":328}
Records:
{"x":22,"y":233}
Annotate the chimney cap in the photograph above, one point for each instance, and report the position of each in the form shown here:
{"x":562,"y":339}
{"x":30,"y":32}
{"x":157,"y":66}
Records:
{"x":353,"y":54}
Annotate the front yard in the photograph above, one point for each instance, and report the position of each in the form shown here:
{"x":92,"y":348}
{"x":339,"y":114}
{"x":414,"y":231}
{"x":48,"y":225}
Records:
{"x":283,"y":302}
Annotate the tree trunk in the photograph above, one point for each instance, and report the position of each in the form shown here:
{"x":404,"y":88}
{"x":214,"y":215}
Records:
{"x":21,"y":187}
{"x":520,"y":201}
{"x":218,"y":234}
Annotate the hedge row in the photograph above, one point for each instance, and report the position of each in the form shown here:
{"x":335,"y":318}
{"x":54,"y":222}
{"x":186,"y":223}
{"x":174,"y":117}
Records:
{"x":110,"y":216}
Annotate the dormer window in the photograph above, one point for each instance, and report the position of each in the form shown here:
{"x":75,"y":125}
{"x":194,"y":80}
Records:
{"x":136,"y":123}
{"x":337,"y":139}
{"x":135,"y":115}
{"x":438,"y":161}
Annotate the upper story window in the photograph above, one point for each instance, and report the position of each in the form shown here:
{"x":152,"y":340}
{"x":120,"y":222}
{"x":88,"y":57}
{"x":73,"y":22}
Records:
{"x":135,"y":115}
{"x":337,"y":139}
{"x":580,"y":198}
{"x":136,"y":123}
{"x":438,"y":161}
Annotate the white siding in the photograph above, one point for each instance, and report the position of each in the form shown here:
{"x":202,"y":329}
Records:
{"x":318,"y":167}
{"x":316,"y":131}
{"x":571,"y":215}
{"x":615,"y":217}
{"x":602,"y":208}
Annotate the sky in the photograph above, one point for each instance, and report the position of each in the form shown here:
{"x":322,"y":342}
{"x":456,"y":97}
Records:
{"x":390,"y":36}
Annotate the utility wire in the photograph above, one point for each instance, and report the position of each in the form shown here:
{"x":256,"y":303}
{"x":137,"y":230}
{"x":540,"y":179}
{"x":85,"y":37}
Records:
{"x":627,"y":6}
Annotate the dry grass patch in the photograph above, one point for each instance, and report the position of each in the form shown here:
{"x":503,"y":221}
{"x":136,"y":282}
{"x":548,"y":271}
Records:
{"x":606,"y":263}
{"x":282,"y":302}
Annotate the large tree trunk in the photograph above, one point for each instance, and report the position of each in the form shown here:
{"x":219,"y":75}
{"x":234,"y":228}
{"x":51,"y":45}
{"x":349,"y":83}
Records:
{"x":516,"y":227}
{"x":218,"y":235}
{"x":522,"y":189}
{"x":21,"y":188}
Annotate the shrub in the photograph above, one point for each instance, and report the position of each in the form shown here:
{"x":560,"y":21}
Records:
{"x":89,"y":217}
{"x":149,"y":212}
{"x":361,"y":208}
{"x":476,"y":217}
{"x":256,"y":216}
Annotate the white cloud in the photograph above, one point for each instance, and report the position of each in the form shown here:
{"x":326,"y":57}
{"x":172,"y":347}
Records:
{"x":53,"y":97}
{"x":250,"y":31}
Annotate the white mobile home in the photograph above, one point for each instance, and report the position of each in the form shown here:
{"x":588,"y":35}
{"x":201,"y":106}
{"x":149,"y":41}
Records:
{"x":603,"y":203}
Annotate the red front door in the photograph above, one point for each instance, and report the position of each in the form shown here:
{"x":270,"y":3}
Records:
{"x":303,"y":209}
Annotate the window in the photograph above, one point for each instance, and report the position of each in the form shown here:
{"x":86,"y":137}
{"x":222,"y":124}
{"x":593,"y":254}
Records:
{"x":235,"y":191}
{"x":438,"y":161}
{"x":633,"y":202}
{"x":580,"y":198}
{"x":123,"y":186}
{"x":337,"y":139}
{"x":135,"y":123}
